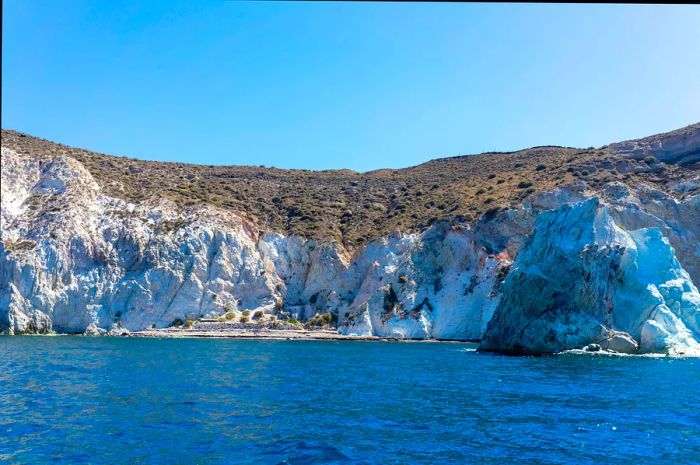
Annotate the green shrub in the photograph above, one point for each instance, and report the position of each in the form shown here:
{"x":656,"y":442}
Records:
{"x":325,"y":319}
{"x":524,"y":184}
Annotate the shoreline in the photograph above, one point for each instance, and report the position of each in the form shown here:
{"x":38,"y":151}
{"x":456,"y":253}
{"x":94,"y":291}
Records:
{"x":247,"y":333}
{"x":272,"y":334}
{"x":328,"y":335}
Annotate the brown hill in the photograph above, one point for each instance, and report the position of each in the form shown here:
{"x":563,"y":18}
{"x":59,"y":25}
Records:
{"x":354,"y":208}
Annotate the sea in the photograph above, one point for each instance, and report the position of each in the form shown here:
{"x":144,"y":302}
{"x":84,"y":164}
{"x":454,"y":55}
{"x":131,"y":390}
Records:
{"x":75,"y":400}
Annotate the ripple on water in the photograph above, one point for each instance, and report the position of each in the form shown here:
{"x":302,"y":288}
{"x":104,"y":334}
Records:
{"x":124,"y":401}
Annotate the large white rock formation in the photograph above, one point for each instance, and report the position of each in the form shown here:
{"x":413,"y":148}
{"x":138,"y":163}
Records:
{"x":72,"y":257}
{"x":583,"y":280}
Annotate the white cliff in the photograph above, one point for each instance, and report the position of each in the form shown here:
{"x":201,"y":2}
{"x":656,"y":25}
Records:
{"x":583,"y":280}
{"x":438,"y":284}
{"x":74,"y":259}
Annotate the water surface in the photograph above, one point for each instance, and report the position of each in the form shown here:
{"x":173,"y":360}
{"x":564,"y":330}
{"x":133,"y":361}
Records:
{"x":192,"y":401}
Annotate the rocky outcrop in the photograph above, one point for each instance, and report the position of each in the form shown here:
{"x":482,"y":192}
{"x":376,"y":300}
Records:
{"x":644,"y":207}
{"x":439,"y":284}
{"x":582,"y":280}
{"x":681,"y":146}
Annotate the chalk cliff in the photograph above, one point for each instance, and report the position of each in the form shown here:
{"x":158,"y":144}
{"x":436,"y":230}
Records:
{"x":72,"y":257}
{"x":583,"y":280}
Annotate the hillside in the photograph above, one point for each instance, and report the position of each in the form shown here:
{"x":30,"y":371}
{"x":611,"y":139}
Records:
{"x":354,"y":208}
{"x":540,"y":250}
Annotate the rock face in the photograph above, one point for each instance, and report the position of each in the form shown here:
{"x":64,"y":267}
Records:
{"x":74,"y":260}
{"x":570,"y":268}
{"x":438,"y":284}
{"x":681,"y":146}
{"x":582,"y":280}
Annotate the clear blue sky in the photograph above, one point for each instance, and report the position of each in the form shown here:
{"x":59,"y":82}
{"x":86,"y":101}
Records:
{"x":333,"y":85}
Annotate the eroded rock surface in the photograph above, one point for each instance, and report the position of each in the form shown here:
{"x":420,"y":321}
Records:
{"x":583,"y":280}
{"x":75,"y":260}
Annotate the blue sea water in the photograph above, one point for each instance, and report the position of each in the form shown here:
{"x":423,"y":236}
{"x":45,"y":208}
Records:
{"x":72,"y":400}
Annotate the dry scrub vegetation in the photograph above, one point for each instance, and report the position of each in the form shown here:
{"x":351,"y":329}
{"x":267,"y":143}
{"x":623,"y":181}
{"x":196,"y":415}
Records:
{"x":351,"y":207}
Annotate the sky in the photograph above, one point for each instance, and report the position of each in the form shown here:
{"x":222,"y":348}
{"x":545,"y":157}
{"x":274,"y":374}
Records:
{"x":344,"y":85}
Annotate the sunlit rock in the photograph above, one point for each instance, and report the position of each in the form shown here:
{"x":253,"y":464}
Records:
{"x":583,"y":280}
